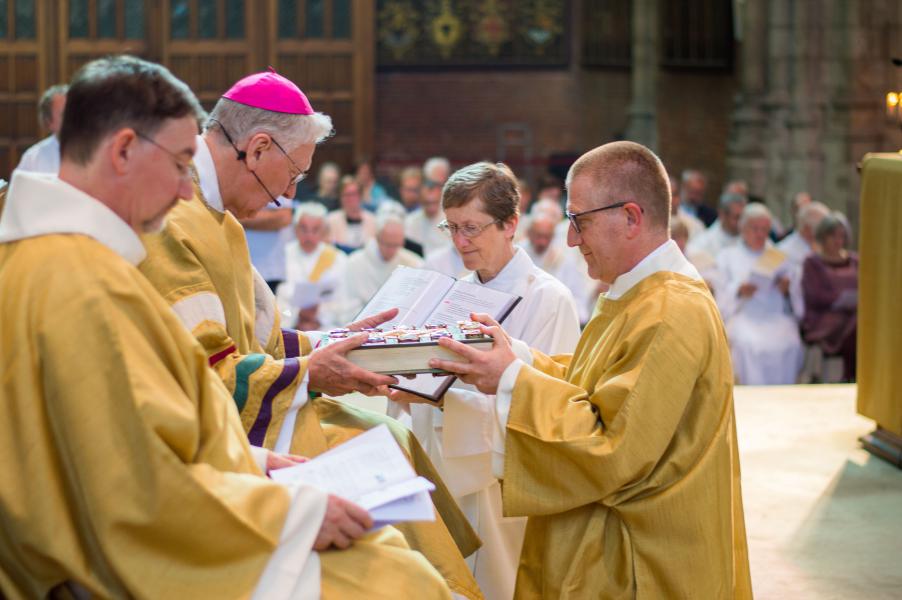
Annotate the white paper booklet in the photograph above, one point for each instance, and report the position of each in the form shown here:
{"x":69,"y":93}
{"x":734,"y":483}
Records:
{"x":371,"y":471}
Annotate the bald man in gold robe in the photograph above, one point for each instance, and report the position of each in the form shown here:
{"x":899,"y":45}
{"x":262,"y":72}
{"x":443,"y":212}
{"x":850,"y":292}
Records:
{"x":623,"y":454}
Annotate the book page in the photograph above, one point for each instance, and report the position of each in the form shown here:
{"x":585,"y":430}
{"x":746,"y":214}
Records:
{"x":415,"y":292}
{"x":769,"y":263}
{"x":465,"y":298}
{"x":365,"y":464}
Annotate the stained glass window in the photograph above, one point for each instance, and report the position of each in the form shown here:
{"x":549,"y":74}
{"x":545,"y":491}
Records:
{"x":234,"y":18}
{"x":178,"y":20}
{"x":134,"y":19}
{"x":25,"y":24}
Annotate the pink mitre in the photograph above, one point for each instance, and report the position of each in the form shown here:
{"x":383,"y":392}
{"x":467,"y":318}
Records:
{"x":270,"y":91}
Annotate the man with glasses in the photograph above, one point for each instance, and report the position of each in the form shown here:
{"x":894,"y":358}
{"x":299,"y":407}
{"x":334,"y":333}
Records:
{"x":422,"y":224}
{"x":623,"y":454}
{"x":257,"y":143}
{"x":124,"y":471}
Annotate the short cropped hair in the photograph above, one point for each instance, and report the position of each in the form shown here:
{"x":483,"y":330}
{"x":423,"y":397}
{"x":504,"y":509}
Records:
{"x":436,"y":162}
{"x":493,"y":183}
{"x":389,"y":211}
{"x":727,"y":199}
{"x":627,"y":172}
{"x":243,"y":122}
{"x":831,"y":223}
{"x":313,"y":210}
{"x":752,"y":211}
{"x":110,"y":93}
{"x":45,"y":104}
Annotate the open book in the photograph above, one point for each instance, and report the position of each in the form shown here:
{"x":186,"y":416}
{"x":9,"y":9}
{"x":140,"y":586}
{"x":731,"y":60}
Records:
{"x":425,"y":297}
{"x":769,"y":266}
{"x":371,"y":471}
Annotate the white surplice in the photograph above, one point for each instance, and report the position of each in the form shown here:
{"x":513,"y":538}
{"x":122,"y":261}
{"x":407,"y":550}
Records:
{"x":418,"y":227}
{"x":365,"y":273}
{"x":446,"y":260}
{"x":459,"y":440}
{"x":713,"y":240}
{"x":763,"y":334}
{"x":298,"y":267}
{"x":43,"y":157}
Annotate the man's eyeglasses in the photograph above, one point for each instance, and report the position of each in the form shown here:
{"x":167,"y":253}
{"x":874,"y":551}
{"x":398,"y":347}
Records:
{"x":469,"y":230}
{"x":295,"y":179}
{"x":574,"y":217}
{"x":242,"y":156}
{"x":183,"y":168}
{"x":431,"y":184}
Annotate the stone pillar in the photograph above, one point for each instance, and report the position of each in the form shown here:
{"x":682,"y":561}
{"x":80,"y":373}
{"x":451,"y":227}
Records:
{"x":748,"y":128}
{"x":642,"y":126}
{"x":805,"y":161}
{"x":776,"y":102}
{"x":839,"y":165}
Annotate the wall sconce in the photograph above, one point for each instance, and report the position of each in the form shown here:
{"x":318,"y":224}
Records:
{"x":893,"y":110}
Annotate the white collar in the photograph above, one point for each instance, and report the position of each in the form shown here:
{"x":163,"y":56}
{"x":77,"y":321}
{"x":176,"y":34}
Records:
{"x":206,"y":175}
{"x":666,"y":257}
{"x":43,"y":204}
{"x":510,"y":274}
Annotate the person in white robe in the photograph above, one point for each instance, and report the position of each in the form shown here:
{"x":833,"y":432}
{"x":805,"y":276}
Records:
{"x":446,"y":260}
{"x":44,"y":157}
{"x":724,"y":232}
{"x":799,"y":245}
{"x":314,"y":270}
{"x":370,"y":267}
{"x":480,"y":203}
{"x":557,"y":259}
{"x":351,"y":226}
{"x":754,"y":300}
{"x":421,"y":225}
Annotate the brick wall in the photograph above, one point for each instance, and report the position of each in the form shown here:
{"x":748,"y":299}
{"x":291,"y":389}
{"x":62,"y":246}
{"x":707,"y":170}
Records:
{"x":460,"y":114}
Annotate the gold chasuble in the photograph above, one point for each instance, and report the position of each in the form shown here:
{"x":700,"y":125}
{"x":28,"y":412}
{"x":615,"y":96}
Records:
{"x":124,"y":469}
{"x":201,"y":265}
{"x":628,"y":468}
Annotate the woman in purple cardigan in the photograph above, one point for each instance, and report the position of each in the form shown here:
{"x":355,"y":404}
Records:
{"x":830,"y":289}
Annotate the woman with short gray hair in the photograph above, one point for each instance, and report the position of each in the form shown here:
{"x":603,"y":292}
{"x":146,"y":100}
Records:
{"x":830,"y":290}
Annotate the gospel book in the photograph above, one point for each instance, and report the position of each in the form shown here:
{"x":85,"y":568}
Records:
{"x":430,"y":305}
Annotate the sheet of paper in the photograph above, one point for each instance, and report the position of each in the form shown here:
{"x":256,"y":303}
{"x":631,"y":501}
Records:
{"x":465,"y":298}
{"x":414,"y":292}
{"x":307,"y":293}
{"x":370,"y":462}
{"x":417,"y":507}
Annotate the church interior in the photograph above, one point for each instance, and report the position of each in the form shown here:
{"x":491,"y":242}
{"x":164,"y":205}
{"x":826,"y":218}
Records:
{"x":785,"y":115}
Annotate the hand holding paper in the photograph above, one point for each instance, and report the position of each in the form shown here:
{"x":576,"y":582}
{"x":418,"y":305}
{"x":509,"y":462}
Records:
{"x":371,"y":471}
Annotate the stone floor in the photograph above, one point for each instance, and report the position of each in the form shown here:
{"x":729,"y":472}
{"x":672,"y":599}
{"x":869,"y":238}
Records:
{"x":824,"y":517}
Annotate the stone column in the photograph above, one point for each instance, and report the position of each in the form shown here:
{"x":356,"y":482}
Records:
{"x":776,"y":102}
{"x":748,"y":129}
{"x":642,"y":126}
{"x":839,"y":165}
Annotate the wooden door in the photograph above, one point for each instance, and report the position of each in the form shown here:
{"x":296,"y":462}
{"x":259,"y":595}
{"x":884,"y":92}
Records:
{"x":89,"y":29}
{"x":23,"y":76}
{"x":210,"y":44}
{"x":327,"y":48}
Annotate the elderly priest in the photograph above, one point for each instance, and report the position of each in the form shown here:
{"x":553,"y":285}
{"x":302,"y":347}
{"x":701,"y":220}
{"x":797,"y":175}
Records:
{"x":623,"y":454}
{"x":125,"y":469}
{"x":258,"y":143}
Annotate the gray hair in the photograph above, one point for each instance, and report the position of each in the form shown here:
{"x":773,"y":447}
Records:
{"x":291,"y":131}
{"x":547,"y":208}
{"x":727,"y":199}
{"x":389,"y":211}
{"x":830,"y":223}
{"x":436,"y":162}
{"x":314,"y":210}
{"x":752,"y":211}
{"x":690,"y":174}
{"x":811,"y":214}
{"x":45,"y":104}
